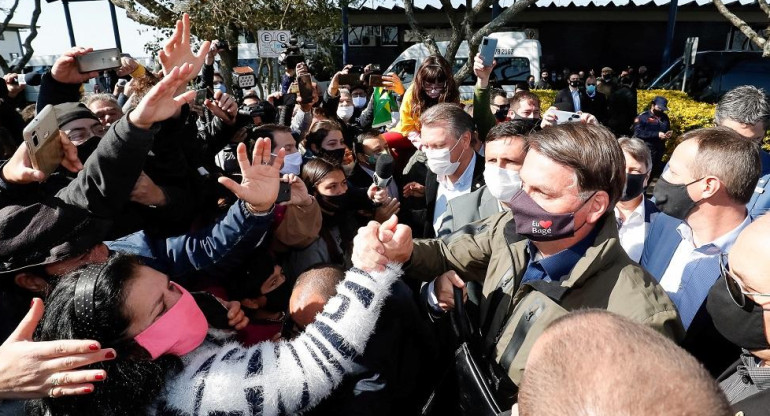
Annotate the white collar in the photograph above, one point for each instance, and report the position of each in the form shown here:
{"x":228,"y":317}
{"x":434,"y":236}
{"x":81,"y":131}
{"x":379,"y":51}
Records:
{"x":464,"y":182}
{"x":723,"y":243}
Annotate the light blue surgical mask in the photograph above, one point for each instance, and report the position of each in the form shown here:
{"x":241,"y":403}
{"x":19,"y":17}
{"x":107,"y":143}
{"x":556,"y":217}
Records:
{"x":591,"y":89}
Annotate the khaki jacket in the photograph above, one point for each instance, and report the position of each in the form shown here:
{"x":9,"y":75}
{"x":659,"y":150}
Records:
{"x":490,"y":252}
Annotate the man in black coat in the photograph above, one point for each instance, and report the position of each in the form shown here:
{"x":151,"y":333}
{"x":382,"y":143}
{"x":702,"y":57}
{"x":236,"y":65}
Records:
{"x":622,"y":108}
{"x":596,"y":103}
{"x":739,"y":304}
{"x":572,"y":98}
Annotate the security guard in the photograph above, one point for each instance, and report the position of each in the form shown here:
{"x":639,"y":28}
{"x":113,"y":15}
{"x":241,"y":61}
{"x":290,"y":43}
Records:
{"x":654,"y":127}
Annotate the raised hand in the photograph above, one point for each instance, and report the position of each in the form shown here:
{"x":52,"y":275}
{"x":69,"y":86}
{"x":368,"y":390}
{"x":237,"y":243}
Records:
{"x":259,"y":186}
{"x":482,"y":72}
{"x":397,"y":240}
{"x":299,"y":195}
{"x":368,"y":251}
{"x":18,"y":170}
{"x":127,"y":66}
{"x":65,"y":69}
{"x":223,"y":106}
{"x":159,"y":103}
{"x":392,"y":82}
{"x":178,"y":51}
{"x":30,"y":370}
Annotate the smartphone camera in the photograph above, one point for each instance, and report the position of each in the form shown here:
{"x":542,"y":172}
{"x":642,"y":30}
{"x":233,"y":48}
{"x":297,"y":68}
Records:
{"x":35,"y":141}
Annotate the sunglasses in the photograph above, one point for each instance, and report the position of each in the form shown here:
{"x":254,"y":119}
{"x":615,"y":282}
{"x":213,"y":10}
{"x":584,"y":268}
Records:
{"x":734,"y":286}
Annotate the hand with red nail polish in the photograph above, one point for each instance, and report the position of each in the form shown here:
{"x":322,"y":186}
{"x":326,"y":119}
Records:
{"x":31,"y":369}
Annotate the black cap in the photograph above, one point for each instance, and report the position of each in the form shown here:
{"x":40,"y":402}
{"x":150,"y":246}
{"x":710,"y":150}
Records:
{"x":72,"y":111}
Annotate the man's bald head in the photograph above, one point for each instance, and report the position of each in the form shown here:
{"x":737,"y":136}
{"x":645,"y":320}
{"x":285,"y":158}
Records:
{"x":748,"y":256}
{"x":311,"y":292}
{"x":596,"y":363}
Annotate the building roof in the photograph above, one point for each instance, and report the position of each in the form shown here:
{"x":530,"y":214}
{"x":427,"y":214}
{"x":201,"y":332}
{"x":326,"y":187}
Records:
{"x":16,"y":26}
{"x":436,"y":4}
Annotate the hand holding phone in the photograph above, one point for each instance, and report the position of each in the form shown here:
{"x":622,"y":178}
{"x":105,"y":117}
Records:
{"x":566,"y":117}
{"x":375,"y":80}
{"x":99,"y":60}
{"x":43,"y":142}
{"x":487,"y":50}
{"x":213,"y":309}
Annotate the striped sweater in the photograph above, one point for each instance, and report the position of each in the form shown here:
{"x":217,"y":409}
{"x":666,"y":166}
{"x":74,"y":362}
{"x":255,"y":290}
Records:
{"x":285,"y":377}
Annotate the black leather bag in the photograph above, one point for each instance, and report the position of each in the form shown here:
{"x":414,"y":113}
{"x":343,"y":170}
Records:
{"x":475,"y":383}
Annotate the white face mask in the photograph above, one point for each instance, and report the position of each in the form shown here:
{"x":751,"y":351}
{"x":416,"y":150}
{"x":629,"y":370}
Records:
{"x":292,"y":164}
{"x":440,"y":160}
{"x":359,"y":102}
{"x":344,"y":113}
{"x":502,"y":183}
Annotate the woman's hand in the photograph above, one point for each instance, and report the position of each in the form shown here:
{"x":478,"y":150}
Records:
{"x":393,"y":82}
{"x":30,"y":370}
{"x":235,"y":316}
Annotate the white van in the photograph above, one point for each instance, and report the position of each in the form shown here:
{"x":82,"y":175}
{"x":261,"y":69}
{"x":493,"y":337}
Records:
{"x":517,"y":58}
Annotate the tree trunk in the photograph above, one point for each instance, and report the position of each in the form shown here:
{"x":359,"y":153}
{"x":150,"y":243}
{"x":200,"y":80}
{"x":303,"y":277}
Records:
{"x":28,"y":51}
{"x":427,"y":39}
{"x":744,"y":28}
{"x":3,"y":64}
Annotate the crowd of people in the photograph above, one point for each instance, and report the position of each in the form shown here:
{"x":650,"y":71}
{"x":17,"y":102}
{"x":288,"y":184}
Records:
{"x":278,"y":255}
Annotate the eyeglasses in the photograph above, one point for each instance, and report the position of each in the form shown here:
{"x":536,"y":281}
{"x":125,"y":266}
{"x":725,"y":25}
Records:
{"x":433,"y":87}
{"x":81,"y":134}
{"x":733,"y":283}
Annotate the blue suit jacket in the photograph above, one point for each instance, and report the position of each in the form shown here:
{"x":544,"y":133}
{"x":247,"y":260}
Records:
{"x":702,"y":339}
{"x":760,"y":200}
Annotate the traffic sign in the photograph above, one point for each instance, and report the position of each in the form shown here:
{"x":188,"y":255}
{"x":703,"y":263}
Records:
{"x":271,"y":42}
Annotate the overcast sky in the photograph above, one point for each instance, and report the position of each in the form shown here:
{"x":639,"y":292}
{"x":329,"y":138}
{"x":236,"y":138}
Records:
{"x":92,"y":25}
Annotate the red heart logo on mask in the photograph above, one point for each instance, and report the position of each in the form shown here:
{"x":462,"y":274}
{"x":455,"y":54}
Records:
{"x":546,"y":224}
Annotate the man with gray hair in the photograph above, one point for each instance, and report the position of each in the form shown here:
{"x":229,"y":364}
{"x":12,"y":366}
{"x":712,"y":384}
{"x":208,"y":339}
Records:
{"x":746,"y":110}
{"x":573,"y":369}
{"x":455,"y":169}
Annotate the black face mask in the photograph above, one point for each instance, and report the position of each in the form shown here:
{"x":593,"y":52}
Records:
{"x":607,"y":78}
{"x":502,"y":112}
{"x":334,"y":203}
{"x":658,"y":112}
{"x":673,"y":200}
{"x":87,"y":148}
{"x":574,"y":84}
{"x":634,"y":186}
{"x":335,"y":155}
{"x":743,"y":326}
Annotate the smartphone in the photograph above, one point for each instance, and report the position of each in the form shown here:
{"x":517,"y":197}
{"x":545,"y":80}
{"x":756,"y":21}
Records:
{"x":100,"y":60}
{"x":213,"y":309}
{"x":200,"y":97}
{"x":350,"y":79}
{"x":375,"y":80}
{"x":305,"y":84}
{"x":566,"y":117}
{"x":284,"y":192}
{"x":21,"y":79}
{"x":487,"y":50}
{"x":43,"y":143}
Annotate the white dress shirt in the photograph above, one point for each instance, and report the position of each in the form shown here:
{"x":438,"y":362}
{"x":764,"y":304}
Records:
{"x":693,"y":270}
{"x":632,"y":231}
{"x":576,"y":99}
{"x":448,"y":191}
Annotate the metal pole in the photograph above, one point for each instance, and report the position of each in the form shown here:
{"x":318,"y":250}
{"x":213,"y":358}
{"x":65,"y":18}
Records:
{"x":68,"y":18}
{"x":672,"y":8}
{"x":496,"y":9}
{"x":115,"y":25}
{"x":344,"y":34}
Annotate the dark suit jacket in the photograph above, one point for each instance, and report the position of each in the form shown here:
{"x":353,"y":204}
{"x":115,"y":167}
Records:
{"x":425,"y":217}
{"x":702,"y":339}
{"x":597,"y":105}
{"x":755,"y":405}
{"x":564,"y":102}
{"x":469,"y":208}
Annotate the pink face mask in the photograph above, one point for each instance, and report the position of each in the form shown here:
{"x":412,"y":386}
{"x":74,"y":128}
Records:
{"x":180,"y":330}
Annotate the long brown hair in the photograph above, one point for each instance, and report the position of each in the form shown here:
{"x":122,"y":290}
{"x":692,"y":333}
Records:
{"x":435,"y":69}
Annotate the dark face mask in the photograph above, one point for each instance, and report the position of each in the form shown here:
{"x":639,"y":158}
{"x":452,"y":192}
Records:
{"x":87,"y":148}
{"x":607,"y":77}
{"x":634,"y":186}
{"x":502,"y":112}
{"x":335,"y":155}
{"x":574,"y":84}
{"x":743,"y":326}
{"x":534,"y":121}
{"x":537,"y":224}
{"x":658,"y":112}
{"x":673,"y":200}
{"x":334,"y":203}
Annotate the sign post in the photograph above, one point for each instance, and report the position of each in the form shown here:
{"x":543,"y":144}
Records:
{"x":271,"y":42}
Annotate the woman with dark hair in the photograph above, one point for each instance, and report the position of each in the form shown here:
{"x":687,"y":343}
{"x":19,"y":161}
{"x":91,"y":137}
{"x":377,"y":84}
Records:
{"x":433,"y":83}
{"x":169,"y":361}
{"x":325,"y":139}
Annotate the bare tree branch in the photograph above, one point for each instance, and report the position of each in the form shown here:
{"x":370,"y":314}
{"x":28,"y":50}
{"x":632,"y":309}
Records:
{"x":482,"y":6}
{"x":427,"y":39}
{"x":743,"y":27}
{"x":134,"y":14}
{"x":764,"y":6}
{"x":28,"y":51}
{"x":3,"y":64}
{"x":457,"y":30}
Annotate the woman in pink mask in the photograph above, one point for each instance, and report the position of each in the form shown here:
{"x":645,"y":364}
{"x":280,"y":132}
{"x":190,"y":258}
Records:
{"x":170,"y":361}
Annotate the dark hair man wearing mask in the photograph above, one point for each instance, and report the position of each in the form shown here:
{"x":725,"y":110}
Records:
{"x":654,"y":127}
{"x":702,"y":198}
{"x":572,"y":98}
{"x":555,"y":252}
{"x":739,"y":303}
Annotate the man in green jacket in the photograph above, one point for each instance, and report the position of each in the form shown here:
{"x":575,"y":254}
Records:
{"x":556,"y":251}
